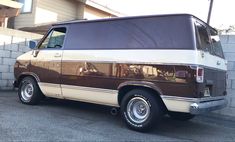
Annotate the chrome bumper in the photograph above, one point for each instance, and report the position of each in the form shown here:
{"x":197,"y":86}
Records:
{"x":194,"y":105}
{"x":203,"y":107}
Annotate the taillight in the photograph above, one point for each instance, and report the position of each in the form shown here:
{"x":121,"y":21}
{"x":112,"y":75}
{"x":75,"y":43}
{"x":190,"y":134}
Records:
{"x":200,"y":75}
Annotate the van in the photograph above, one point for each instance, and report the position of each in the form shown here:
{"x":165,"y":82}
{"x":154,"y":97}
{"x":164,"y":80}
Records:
{"x":147,"y":66}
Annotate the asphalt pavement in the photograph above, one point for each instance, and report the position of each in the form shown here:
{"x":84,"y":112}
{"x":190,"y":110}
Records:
{"x":63,"y":120}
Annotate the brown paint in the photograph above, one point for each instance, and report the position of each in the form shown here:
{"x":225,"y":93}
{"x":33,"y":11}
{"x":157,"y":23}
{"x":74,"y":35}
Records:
{"x":47,"y":71}
{"x":172,"y":80}
{"x":111,"y":75}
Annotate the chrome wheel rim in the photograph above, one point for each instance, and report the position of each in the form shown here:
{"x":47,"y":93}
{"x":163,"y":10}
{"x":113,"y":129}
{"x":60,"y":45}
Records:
{"x":138,"y":110}
{"x":27,"y":91}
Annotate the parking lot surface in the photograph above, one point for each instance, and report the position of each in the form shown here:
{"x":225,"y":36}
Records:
{"x":62,"y":120}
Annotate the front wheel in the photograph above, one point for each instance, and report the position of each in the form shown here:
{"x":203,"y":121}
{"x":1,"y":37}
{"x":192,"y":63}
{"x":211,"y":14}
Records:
{"x":140,"y":110}
{"x":29,"y":92}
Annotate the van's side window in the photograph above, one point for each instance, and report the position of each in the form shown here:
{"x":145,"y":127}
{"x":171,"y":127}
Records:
{"x":139,"y":33}
{"x":55,"y":39}
{"x":203,"y":38}
{"x":217,"y":48}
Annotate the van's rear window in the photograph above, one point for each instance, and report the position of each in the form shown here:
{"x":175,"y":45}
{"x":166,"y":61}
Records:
{"x":218,"y":51}
{"x":142,"y":33}
{"x":208,"y":40}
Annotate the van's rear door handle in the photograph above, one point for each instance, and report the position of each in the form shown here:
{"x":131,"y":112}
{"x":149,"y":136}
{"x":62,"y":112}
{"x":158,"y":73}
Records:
{"x":218,"y":63}
{"x":57,"y":55}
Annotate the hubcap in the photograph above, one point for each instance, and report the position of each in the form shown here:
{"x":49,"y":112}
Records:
{"x":138,"y":110}
{"x":27,"y":91}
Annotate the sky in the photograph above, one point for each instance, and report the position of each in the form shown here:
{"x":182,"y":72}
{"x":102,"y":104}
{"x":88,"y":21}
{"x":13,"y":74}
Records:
{"x":223,"y":12}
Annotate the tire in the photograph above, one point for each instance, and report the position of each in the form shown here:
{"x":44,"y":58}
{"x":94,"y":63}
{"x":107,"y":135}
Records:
{"x":181,"y":116}
{"x":140,"y":110}
{"x":29,"y":92}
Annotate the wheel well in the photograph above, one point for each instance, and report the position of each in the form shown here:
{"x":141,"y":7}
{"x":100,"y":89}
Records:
{"x":22,"y":77}
{"x":128,"y":88}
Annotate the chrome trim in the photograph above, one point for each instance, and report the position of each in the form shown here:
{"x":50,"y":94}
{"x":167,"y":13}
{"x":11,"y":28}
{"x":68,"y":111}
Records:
{"x":198,"y":108}
{"x":192,"y":99}
{"x":26,"y":91}
{"x":194,"y":105}
{"x":178,"y":98}
{"x":138,"y":110}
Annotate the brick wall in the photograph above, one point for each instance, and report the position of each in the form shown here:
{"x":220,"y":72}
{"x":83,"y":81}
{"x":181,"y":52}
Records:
{"x":12,"y":44}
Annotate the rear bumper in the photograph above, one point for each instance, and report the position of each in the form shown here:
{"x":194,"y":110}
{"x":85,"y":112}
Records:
{"x":203,"y":107}
{"x":194,"y":105}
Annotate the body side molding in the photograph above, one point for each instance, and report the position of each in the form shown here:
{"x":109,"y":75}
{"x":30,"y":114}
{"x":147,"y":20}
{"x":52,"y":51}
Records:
{"x":141,"y":84}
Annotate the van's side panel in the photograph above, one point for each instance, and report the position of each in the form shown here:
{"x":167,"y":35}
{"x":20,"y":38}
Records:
{"x":101,"y":69}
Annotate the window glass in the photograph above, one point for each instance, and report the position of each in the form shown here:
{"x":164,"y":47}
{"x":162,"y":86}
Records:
{"x":217,"y":48}
{"x":55,"y":39}
{"x":208,"y":40}
{"x":203,"y":38}
{"x":139,"y":33}
{"x":27,"y":6}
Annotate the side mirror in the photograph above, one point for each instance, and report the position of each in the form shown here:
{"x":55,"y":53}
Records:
{"x":32,"y":44}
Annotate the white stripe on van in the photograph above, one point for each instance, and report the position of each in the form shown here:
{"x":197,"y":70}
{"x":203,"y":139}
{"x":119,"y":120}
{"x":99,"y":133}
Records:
{"x":178,"y":57}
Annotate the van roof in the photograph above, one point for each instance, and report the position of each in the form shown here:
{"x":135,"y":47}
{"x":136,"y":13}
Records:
{"x":128,"y":17}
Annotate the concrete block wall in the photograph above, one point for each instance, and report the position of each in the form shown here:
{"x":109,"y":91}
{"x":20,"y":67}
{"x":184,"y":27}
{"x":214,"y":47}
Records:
{"x":228,"y":43}
{"x":13,"y":43}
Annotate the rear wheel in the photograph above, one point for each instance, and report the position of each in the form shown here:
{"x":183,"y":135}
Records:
{"x":140,"y":110}
{"x":29,"y":92}
{"x":181,"y":116}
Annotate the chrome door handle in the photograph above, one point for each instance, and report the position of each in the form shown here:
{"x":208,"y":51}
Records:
{"x":57,"y":55}
{"x":218,"y":63}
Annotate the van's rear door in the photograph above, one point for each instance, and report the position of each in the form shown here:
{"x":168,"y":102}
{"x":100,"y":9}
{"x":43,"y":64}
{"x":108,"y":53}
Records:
{"x":211,"y":57}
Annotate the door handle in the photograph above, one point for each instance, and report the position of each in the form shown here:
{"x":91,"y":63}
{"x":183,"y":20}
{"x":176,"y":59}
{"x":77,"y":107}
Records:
{"x":218,"y":63}
{"x":57,"y":55}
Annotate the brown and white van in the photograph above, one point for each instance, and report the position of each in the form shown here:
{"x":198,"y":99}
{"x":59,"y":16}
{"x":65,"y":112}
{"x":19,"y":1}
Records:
{"x":147,"y":66}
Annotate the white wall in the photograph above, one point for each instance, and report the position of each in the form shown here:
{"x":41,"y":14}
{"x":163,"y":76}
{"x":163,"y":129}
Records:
{"x":49,"y":11}
{"x":92,"y":13}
